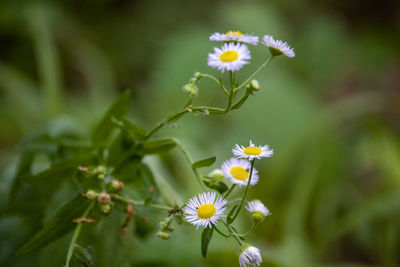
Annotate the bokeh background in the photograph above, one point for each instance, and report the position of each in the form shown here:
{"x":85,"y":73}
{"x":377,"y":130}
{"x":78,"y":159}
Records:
{"x":332,"y":115}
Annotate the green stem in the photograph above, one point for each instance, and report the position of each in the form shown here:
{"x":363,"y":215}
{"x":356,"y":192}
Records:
{"x":217,"y":81}
{"x":169,"y":119}
{"x":141,"y":203}
{"x":76,"y":235}
{"x":230,"y":190}
{"x":254,"y":74}
{"x":245,"y":192}
{"x":250,"y":230}
{"x":233,"y":233}
{"x":189,"y":159}
{"x":221,"y":233}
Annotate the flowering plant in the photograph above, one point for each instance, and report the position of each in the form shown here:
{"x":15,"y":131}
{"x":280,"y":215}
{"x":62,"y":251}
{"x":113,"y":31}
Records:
{"x":108,"y":166}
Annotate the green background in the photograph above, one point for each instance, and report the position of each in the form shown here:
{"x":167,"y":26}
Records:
{"x":331,"y":114}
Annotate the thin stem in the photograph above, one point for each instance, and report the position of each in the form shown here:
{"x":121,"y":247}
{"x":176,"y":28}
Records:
{"x":189,"y":159}
{"x":217,"y":81}
{"x":254,"y":74}
{"x":233,"y":233}
{"x":141,"y":203}
{"x":249,"y":231}
{"x":162,"y":123}
{"x":245,"y":192}
{"x":230,"y":190}
{"x":76,"y":235}
{"x":221,"y":233}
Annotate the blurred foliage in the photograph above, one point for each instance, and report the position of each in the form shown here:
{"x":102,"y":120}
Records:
{"x":331,"y":114}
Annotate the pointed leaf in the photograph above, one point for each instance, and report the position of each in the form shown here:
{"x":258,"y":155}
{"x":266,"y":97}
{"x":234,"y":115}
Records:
{"x":81,"y":256}
{"x":136,"y":132}
{"x":212,"y":183}
{"x":119,"y":108}
{"x":205,"y":240}
{"x":204,"y":163}
{"x":59,"y":225}
{"x":159,"y":146}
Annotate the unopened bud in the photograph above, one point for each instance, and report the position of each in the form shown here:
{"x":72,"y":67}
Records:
{"x":100,"y":170}
{"x":117,"y":185}
{"x":101,"y":177}
{"x":217,"y":174}
{"x":165,"y":223}
{"x":104,"y":198}
{"x":165,"y":235}
{"x":105,"y":208}
{"x":197,"y":75}
{"x":254,"y":85}
{"x":90,"y":194}
{"x":191,"y":89}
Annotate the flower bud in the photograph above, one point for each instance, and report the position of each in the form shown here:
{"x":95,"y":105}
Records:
{"x":217,"y":174}
{"x":257,"y":210}
{"x":164,"y":224}
{"x":197,"y":75}
{"x":104,"y":198}
{"x":191,"y":89}
{"x":254,"y":85}
{"x":165,"y":235}
{"x":101,"y":177}
{"x":105,"y":208}
{"x":116,"y":185}
{"x":100,"y":170}
{"x":90,"y":194}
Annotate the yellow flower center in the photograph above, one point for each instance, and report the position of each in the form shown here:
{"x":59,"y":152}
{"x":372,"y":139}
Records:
{"x":252,"y":150}
{"x":229,"y":56}
{"x":238,"y":33}
{"x":239,"y":173}
{"x":206,"y":211}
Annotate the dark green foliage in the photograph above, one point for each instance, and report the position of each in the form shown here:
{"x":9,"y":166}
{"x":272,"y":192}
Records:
{"x":204,"y":163}
{"x":205,"y":240}
{"x":59,"y":225}
{"x":81,"y":257}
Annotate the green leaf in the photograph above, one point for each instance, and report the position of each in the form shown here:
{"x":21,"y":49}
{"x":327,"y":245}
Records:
{"x":231,"y":214}
{"x":119,"y":108}
{"x":136,"y":132}
{"x":212,"y":183}
{"x":205,"y":240}
{"x":158,"y":146}
{"x":59,"y":225}
{"x":24,"y":168}
{"x":81,"y":256}
{"x":87,"y":181}
{"x":204,"y":163}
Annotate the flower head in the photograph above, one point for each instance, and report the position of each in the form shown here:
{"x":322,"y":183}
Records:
{"x":238,"y":171}
{"x":252,"y":151}
{"x":231,"y":57}
{"x":249,"y":256}
{"x":205,"y":210}
{"x":258,"y":210}
{"x":278,"y":47}
{"x":234,"y":36}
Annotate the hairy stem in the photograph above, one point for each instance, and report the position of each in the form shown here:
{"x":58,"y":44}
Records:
{"x":245,"y":192}
{"x":221,"y":233}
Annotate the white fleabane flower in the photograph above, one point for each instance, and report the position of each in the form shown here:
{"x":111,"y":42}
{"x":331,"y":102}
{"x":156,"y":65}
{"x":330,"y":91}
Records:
{"x":278,"y":47}
{"x":258,"y":210}
{"x":238,"y":171}
{"x":205,"y":210}
{"x":249,"y":256}
{"x":234,"y":36}
{"x":252,"y":151}
{"x":231,"y":57}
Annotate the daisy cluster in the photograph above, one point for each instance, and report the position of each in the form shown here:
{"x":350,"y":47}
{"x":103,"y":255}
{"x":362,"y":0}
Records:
{"x":207,"y":208}
{"x":234,"y":54}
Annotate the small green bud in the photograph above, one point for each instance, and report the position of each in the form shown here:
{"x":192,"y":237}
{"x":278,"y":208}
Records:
{"x":165,"y":235}
{"x":103,"y":198}
{"x":100,"y":170}
{"x":197,"y":75}
{"x":116,"y":185}
{"x":105,"y":208}
{"x":101,"y":177}
{"x":253,"y":85}
{"x":217,"y":174}
{"x":191,"y":89}
{"x":164,"y":224}
{"x":90,"y":194}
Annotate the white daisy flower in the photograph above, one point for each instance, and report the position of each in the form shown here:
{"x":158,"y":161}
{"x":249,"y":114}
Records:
{"x":252,"y":151}
{"x":238,"y":171}
{"x":258,"y":210}
{"x":205,"y":210}
{"x":249,"y":256}
{"x":278,"y":47}
{"x":234,"y":36}
{"x":231,"y":57}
